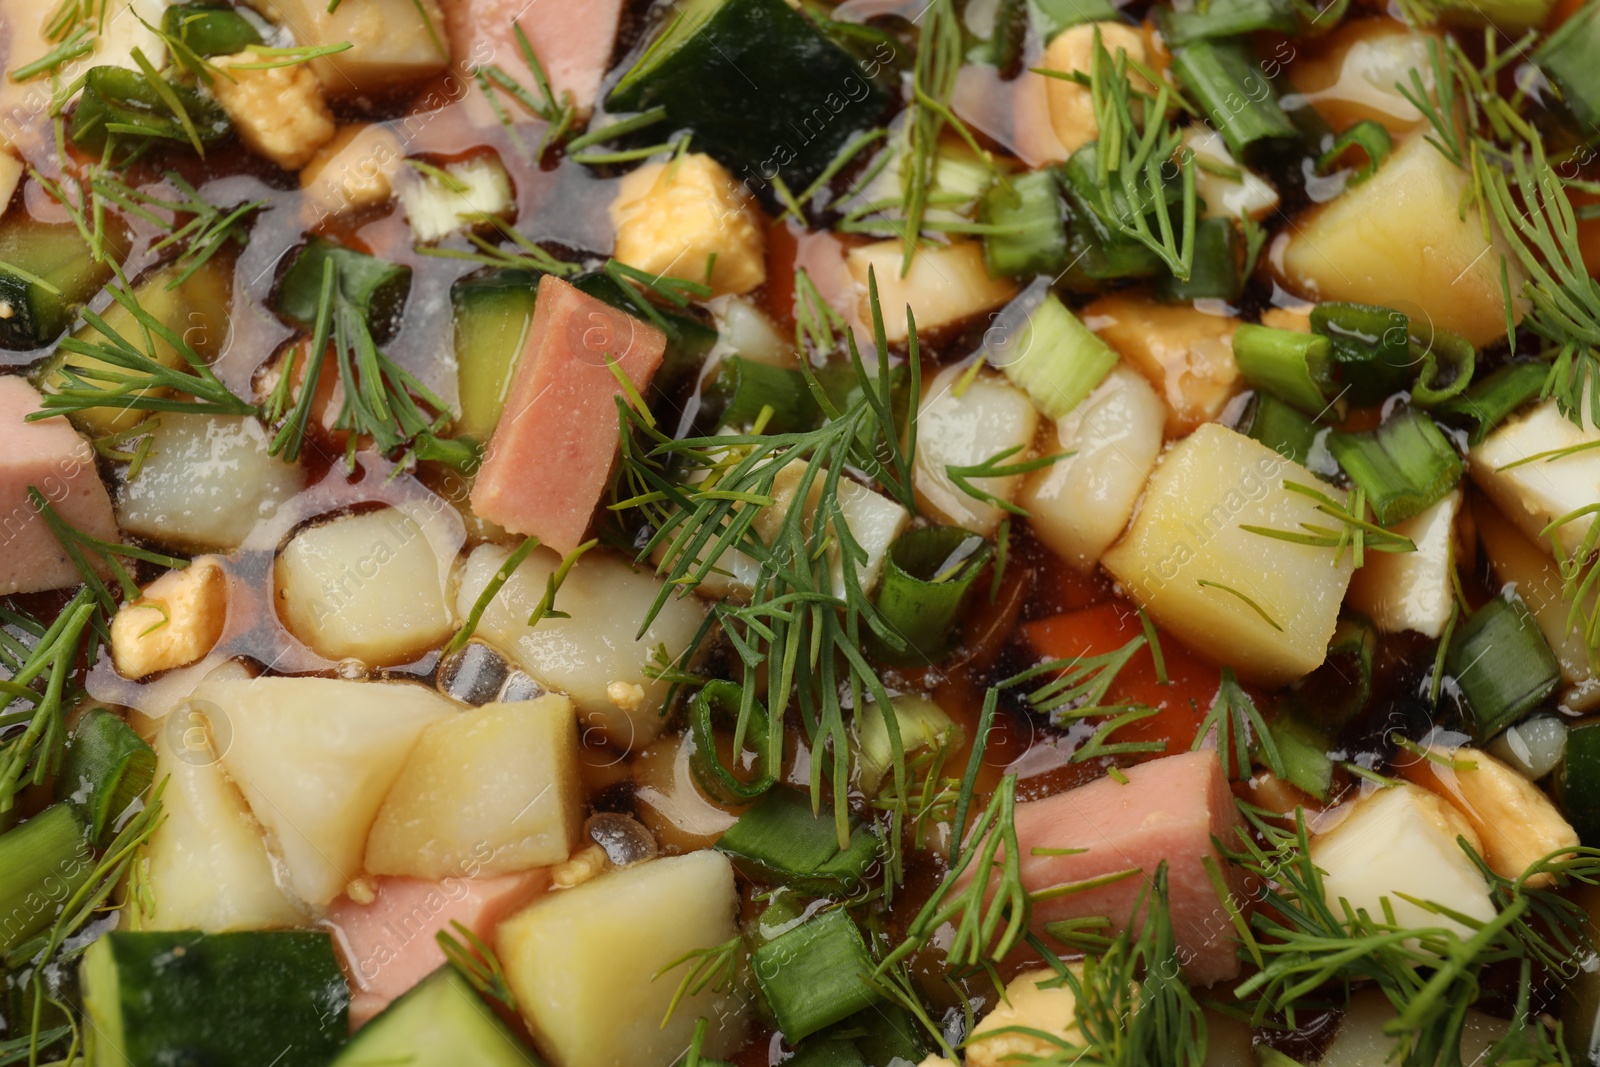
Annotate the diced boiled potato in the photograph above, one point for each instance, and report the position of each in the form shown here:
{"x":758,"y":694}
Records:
{"x":1034,"y":1000}
{"x":1185,"y":353}
{"x":1189,"y":531}
{"x":1081,"y":504}
{"x":278,"y":112}
{"x":1399,"y":239}
{"x":595,"y":656}
{"x":206,"y":866}
{"x":945,"y":285}
{"x":1517,"y":560}
{"x":671,"y":804}
{"x":500,"y":781}
{"x":354,"y":170}
{"x":314,"y":758}
{"x":1227,"y":197}
{"x":1362,"y":1041}
{"x":1536,"y":493}
{"x":584,"y":963}
{"x":1356,"y":72}
{"x":1072,"y":52}
{"x":671,"y":218}
{"x":477,"y":190}
{"x":1514,"y":818}
{"x":1412,"y":590}
{"x":175,"y":622}
{"x":964,"y":427}
{"x":206,"y":484}
{"x":392,"y":42}
{"x":367,"y":586}
{"x":1403,"y":840}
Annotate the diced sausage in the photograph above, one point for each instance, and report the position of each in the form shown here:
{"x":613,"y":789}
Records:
{"x":50,"y":456}
{"x":552,"y":452}
{"x":572,"y":40}
{"x":1169,"y":809}
{"x":389,"y":944}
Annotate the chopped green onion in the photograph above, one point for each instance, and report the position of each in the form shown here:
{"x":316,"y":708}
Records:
{"x":717,"y":780}
{"x":1405,"y":465}
{"x":1279,"y":427}
{"x":1030,"y":225}
{"x":1448,"y":362}
{"x":815,"y":975}
{"x":1292,"y":366}
{"x":1502,"y":664}
{"x":1226,"y":18}
{"x":107,"y":768}
{"x":377,"y":289}
{"x":1050,"y":17}
{"x":829,"y":1050}
{"x":1048,"y":353}
{"x":1568,"y":58}
{"x":1232,"y":91}
{"x":920,"y":723}
{"x":44,"y":859}
{"x":1304,"y":751}
{"x":1336,"y":692}
{"x":1102,"y":216}
{"x":1371,"y":348}
{"x":743,"y":388}
{"x":1214,"y":274}
{"x":117,"y":100}
{"x":1367,"y":136}
{"x":925,"y":578}
{"x":780,"y":840}
{"x":1488,"y":401}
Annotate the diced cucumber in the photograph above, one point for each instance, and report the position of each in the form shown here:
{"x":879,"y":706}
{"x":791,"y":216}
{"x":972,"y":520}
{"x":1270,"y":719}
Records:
{"x":743,"y":387}
{"x":125,"y":104}
{"x":47,"y":272}
{"x":1577,"y":781}
{"x":492,"y":314}
{"x":441,"y":1022}
{"x":107,"y":768}
{"x":1031,"y":204}
{"x":763,"y":89}
{"x":377,"y":288}
{"x":210,"y":29}
{"x":156,"y":999}
{"x":1053,"y":357}
{"x":1567,"y":59}
{"x":689,"y":340}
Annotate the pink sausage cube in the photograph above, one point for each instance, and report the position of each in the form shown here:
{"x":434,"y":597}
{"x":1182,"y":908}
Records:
{"x":553,"y":450}
{"x":572,"y":40}
{"x":389,"y":945}
{"x":1169,"y":810}
{"x":50,"y":456}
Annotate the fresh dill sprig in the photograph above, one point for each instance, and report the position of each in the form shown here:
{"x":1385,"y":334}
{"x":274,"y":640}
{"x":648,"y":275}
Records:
{"x":990,"y":913}
{"x":1078,"y":684}
{"x":713,"y":968}
{"x":123,"y":375}
{"x":521,"y":253}
{"x":381,"y":399}
{"x":560,"y":114}
{"x":1136,"y":145}
{"x":807,"y":613}
{"x":996,"y":467}
{"x":1235,"y":719}
{"x":477,"y":963}
{"x":1132,"y":1006}
{"x":1354,"y":531}
{"x":90,"y":554}
{"x":207,"y":232}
